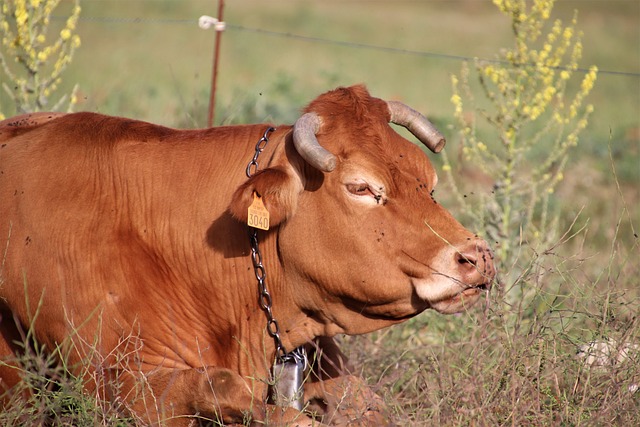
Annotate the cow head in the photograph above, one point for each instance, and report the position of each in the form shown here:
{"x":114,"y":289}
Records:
{"x":360,"y":237}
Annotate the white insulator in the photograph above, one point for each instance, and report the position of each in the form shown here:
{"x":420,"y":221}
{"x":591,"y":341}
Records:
{"x":205,"y":22}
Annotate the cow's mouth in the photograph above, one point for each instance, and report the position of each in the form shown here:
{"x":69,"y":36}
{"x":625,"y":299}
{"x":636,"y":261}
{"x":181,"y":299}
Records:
{"x":478,"y":288}
{"x":447,"y":294}
{"x":469,"y":292}
{"x":461,"y":300}
{"x":473,"y":290}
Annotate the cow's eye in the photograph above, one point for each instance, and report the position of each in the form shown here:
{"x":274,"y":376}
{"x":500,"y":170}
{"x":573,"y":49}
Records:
{"x":360,"y":189}
{"x":364,"y":192}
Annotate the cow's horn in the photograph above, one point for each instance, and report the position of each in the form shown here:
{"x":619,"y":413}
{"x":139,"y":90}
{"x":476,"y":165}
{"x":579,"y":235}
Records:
{"x":417,"y":124}
{"x":305,"y":141}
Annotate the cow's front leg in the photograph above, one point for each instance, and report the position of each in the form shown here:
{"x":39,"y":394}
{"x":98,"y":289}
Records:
{"x":341,"y":398}
{"x":347,"y":401}
{"x":177,"y":398}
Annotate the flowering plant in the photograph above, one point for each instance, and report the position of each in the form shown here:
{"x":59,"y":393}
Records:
{"x":24,"y":25}
{"x":532,"y":122}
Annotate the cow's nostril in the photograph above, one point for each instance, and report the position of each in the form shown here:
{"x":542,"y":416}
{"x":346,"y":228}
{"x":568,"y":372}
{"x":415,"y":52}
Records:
{"x":466,"y":259}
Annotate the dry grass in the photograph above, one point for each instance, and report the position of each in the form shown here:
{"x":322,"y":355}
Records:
{"x":512,"y":365}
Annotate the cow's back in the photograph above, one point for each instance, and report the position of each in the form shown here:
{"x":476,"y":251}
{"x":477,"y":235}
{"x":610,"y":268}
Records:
{"x":87,"y":202}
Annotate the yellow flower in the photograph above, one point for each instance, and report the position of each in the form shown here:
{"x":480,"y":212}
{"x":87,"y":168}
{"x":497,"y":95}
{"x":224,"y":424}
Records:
{"x":568,"y":33}
{"x":589,"y":79}
{"x":71,"y":24}
{"x":21,"y":17}
{"x":65,"y":34}
{"x":446,"y":167}
{"x":501,"y":4}
{"x":456,"y":100}
{"x":510,"y":134}
{"x":558,"y":118}
{"x":535,"y":112}
{"x":548,"y":93}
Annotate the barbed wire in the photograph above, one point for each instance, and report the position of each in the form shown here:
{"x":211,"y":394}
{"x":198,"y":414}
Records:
{"x":134,"y":20}
{"x":409,"y":51}
{"x":342,"y":43}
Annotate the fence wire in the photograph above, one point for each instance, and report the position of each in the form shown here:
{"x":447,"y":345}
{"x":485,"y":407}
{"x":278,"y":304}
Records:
{"x":313,"y":39}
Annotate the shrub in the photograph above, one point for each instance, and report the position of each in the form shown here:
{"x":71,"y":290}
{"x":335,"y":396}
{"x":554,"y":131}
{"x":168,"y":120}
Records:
{"x":520,"y":133}
{"x":32,"y":67}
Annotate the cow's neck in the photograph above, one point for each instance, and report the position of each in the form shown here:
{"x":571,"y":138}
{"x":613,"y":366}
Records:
{"x":278,"y":329}
{"x":211,"y":294}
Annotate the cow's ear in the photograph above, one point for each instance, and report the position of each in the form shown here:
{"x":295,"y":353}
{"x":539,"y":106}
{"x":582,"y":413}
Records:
{"x":278,"y":189}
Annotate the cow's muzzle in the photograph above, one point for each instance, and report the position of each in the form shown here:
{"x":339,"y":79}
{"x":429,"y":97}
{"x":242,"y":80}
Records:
{"x":474,"y":264}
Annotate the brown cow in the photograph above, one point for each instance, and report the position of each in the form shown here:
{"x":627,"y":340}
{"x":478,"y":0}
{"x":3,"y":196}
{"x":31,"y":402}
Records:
{"x":126,"y":244}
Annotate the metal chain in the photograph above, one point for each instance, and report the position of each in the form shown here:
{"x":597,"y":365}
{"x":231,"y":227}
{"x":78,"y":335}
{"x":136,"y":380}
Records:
{"x":288,"y":368}
{"x":252,"y":167}
{"x":273,"y":329}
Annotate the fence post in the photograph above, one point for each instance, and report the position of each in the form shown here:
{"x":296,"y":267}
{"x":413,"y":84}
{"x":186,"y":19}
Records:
{"x":214,"y":73}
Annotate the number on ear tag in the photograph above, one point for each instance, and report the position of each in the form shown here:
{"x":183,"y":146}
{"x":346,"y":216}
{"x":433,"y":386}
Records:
{"x":258,"y":214}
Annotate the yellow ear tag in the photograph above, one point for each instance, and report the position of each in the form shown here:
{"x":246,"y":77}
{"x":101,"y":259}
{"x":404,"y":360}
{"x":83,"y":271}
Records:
{"x":258,"y":214}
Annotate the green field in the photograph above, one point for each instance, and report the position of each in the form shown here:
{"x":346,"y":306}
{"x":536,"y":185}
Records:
{"x":511,"y":362}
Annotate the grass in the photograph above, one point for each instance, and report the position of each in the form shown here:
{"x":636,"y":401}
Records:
{"x":51,"y":395}
{"x":512,"y":360}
